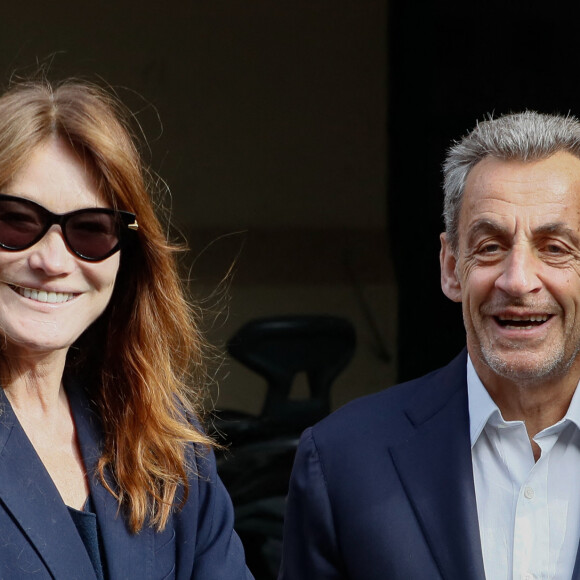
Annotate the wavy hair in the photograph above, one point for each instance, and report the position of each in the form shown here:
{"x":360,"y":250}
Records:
{"x":150,"y":372}
{"x":526,"y":136}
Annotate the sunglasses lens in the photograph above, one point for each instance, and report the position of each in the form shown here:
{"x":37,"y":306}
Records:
{"x":92,"y":234}
{"x":21,"y":225}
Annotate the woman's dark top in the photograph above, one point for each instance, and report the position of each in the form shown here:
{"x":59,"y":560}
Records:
{"x":86,"y":523}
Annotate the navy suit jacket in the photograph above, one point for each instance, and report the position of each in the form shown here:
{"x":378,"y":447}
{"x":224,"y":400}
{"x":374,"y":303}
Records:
{"x":383,"y":488}
{"x":39,"y":540}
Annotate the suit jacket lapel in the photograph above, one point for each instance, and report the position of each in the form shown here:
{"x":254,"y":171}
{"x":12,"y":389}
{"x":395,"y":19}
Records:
{"x":436,"y":470}
{"x":127,"y":555}
{"x":29,"y":494}
{"x":576,"y":573}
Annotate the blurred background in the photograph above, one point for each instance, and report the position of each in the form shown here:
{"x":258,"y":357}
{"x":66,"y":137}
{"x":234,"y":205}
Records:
{"x":267,"y":120}
{"x":302,"y":143}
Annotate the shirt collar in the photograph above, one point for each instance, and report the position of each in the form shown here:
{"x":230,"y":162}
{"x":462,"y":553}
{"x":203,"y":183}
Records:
{"x":573,"y":413}
{"x":482,"y":407}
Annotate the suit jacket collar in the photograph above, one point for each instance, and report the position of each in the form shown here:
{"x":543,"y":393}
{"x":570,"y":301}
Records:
{"x":434,"y":465}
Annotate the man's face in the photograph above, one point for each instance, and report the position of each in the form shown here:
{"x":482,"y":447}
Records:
{"x":517,"y":267}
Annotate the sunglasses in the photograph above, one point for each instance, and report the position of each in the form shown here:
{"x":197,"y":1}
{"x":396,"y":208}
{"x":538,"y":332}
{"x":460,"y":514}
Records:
{"x":92,"y":234}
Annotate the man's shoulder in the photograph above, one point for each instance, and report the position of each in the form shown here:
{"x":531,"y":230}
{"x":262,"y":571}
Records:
{"x":390,"y":412}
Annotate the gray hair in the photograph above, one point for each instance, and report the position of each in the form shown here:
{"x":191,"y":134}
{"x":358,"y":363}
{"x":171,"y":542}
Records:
{"x":526,"y":136}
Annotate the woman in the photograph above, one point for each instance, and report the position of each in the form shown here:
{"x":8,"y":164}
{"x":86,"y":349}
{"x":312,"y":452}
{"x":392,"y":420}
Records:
{"x":104,"y":471}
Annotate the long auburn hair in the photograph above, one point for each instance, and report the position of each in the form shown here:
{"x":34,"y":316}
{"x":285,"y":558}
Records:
{"x":150,"y":372}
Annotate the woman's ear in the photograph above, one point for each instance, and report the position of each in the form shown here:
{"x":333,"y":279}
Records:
{"x":449,"y":281}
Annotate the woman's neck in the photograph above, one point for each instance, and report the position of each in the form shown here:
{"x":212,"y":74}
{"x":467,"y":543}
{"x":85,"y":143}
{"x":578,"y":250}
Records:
{"x":33,"y":384}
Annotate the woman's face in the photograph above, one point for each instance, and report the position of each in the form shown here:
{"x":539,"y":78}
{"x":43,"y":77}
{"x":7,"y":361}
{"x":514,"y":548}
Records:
{"x":49,"y":296}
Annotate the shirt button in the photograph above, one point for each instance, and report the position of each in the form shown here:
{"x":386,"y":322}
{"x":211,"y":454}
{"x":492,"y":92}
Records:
{"x":528,"y":494}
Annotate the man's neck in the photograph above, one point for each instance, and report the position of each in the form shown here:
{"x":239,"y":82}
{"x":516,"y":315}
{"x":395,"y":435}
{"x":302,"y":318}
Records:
{"x":539,"y":404}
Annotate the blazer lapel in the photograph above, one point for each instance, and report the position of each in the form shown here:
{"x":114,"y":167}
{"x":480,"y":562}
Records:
{"x":29,"y":494}
{"x":127,"y":555}
{"x":436,"y":470}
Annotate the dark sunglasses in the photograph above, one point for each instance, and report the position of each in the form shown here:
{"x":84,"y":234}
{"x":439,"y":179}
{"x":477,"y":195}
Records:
{"x":92,"y":234}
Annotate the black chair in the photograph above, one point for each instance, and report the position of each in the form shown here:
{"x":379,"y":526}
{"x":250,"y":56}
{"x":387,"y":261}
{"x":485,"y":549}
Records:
{"x":279,"y":348}
{"x":257,"y":464}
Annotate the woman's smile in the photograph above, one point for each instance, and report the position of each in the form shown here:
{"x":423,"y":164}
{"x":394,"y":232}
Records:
{"x":40,"y":295}
{"x":48,"y":295}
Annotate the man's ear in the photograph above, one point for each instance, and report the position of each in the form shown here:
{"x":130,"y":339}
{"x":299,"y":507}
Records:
{"x":449,"y":282}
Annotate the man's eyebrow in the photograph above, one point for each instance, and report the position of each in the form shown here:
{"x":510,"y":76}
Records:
{"x":485,"y":227}
{"x":489,"y":227}
{"x":560,"y":229}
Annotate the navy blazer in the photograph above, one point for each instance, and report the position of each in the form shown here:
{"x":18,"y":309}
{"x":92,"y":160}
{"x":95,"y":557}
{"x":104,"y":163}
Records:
{"x":383,"y":488}
{"x":39,"y":540}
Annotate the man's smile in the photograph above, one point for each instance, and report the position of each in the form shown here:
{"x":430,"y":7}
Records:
{"x":522,"y":322}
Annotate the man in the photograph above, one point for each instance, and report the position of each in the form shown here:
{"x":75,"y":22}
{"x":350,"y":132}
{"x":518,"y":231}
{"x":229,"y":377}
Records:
{"x":472,"y":471}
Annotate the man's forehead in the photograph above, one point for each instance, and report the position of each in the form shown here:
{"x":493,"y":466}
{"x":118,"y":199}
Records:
{"x":551,"y":177}
{"x":535,"y":194}
{"x":560,"y":161}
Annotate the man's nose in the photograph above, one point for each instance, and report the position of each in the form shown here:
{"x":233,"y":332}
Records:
{"x":520,"y":272}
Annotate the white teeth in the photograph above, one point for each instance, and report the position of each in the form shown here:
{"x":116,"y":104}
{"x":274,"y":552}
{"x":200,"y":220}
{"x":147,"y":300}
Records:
{"x":533,"y":318}
{"x":43,"y":296}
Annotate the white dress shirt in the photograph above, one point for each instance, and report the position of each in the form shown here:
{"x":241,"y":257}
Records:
{"x":529,"y":512}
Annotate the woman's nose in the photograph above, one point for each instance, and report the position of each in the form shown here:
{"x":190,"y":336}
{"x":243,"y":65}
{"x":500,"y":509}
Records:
{"x":51,"y":254}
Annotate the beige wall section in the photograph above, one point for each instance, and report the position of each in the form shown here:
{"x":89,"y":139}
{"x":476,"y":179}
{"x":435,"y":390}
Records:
{"x":240,"y":388}
{"x":273,"y":123}
{"x":343,"y":272}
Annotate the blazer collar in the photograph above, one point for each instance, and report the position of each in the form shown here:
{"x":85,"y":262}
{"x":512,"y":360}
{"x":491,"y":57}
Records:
{"x":29,"y":494}
{"x":127,"y":555}
{"x":434,"y":465}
